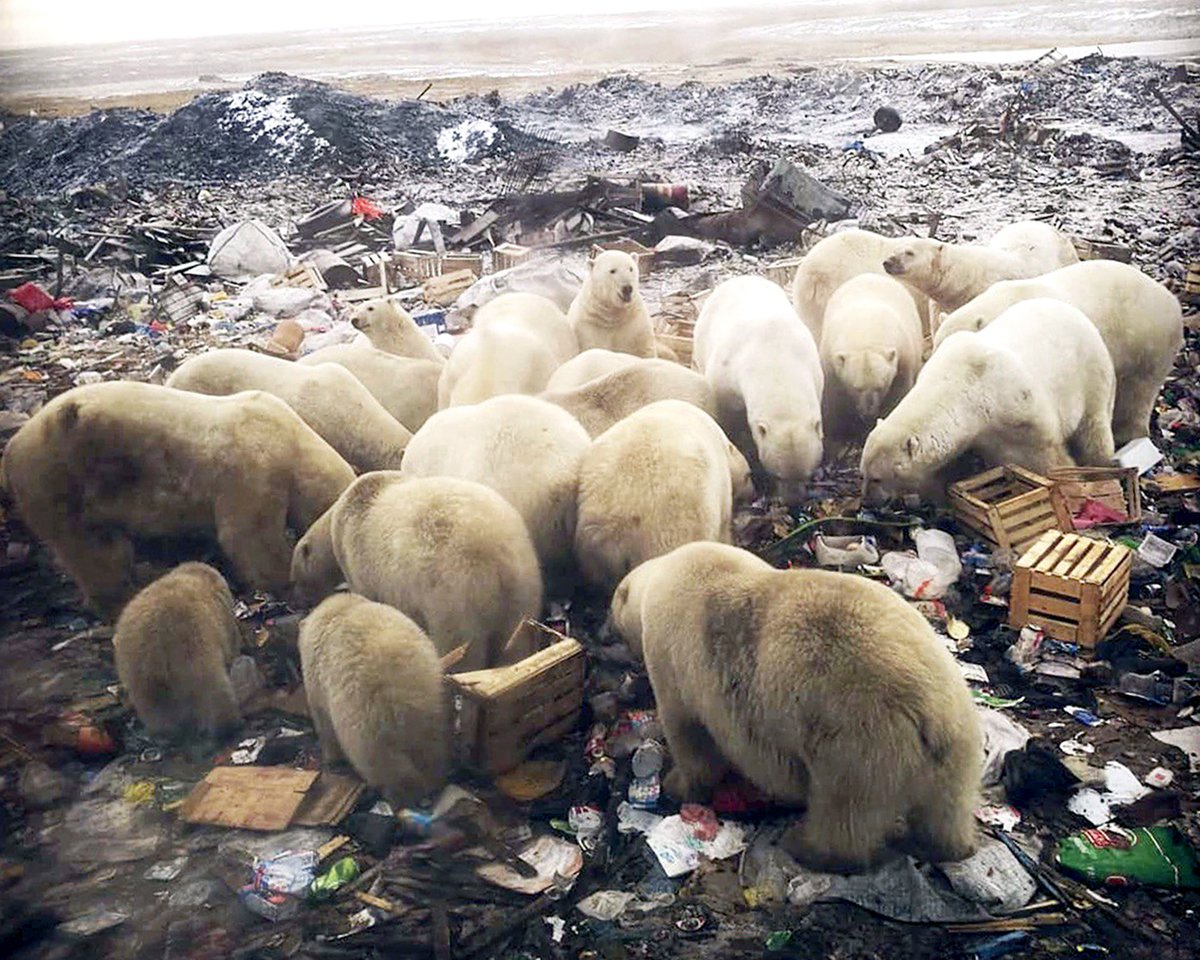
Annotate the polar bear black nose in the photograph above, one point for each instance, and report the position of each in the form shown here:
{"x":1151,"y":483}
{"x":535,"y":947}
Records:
{"x":627,"y":292}
{"x":892,"y":265}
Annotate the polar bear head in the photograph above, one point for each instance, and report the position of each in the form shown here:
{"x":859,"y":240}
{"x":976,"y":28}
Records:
{"x":891,"y":464}
{"x":614,"y":279}
{"x":315,"y":572}
{"x":625,"y":611}
{"x":867,"y":376}
{"x":789,"y":447}
{"x":915,"y":256}
{"x":739,"y":474}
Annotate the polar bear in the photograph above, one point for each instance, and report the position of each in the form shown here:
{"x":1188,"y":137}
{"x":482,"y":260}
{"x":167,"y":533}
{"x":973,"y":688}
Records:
{"x":517,"y":342}
{"x":600,"y":403}
{"x":586,"y":367}
{"x":609,"y":311}
{"x":1139,"y":318}
{"x":822,"y":689}
{"x":387,"y":326}
{"x":405,"y":388}
{"x":835,"y":259}
{"x":376,"y":695}
{"x":452,"y":554}
{"x":1035,"y":388}
{"x":173,"y":645}
{"x":525,"y":449}
{"x":953,"y":273}
{"x":871,"y":346}
{"x":105,"y":464}
{"x":765,"y":370}
{"x":663,"y":476}
{"x":327,"y":397}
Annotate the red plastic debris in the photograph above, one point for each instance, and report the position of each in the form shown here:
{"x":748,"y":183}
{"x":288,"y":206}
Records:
{"x":362,"y":207}
{"x":34,"y":299}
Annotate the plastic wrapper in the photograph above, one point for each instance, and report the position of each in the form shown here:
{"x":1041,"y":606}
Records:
{"x":1114,"y":856}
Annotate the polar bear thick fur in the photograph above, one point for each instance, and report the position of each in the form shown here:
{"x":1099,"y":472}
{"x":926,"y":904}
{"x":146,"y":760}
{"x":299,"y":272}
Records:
{"x":831,"y":262}
{"x":452,"y":554}
{"x":173,"y":645}
{"x":524,"y":448}
{"x":609,"y":311}
{"x":765,"y":370}
{"x":517,"y":342}
{"x":953,"y":273}
{"x":664,"y":476}
{"x":405,"y":388}
{"x":1140,"y":320}
{"x":387,"y":326}
{"x":376,"y":696}
{"x":822,"y":689}
{"x":586,"y":367}
{"x":600,"y":403}
{"x":1035,"y":388}
{"x":327,"y":397}
{"x":103,"y":465}
{"x":871,"y":346}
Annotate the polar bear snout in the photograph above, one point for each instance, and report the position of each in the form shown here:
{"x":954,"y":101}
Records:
{"x":894,"y":265}
{"x":627,"y":293}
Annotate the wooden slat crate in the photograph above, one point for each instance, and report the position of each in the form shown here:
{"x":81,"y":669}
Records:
{"x":454,"y":262}
{"x":181,"y":301}
{"x":782,"y":272}
{"x":419,"y":264}
{"x":505,"y":256}
{"x":444,"y":290}
{"x":1115,"y":487}
{"x":1009,"y":506}
{"x":643,"y":256}
{"x":1191,"y":282}
{"x":1071,"y":586}
{"x":376,"y":269}
{"x":1097,"y":250}
{"x":301,"y":275}
{"x":508,"y":711}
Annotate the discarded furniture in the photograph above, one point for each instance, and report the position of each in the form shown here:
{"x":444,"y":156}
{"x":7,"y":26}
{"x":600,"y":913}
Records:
{"x":1009,"y":506}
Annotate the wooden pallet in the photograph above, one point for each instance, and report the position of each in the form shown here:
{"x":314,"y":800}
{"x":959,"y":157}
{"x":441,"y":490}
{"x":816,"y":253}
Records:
{"x":1116,"y":487}
{"x":1072,"y":587}
{"x":1009,"y":506}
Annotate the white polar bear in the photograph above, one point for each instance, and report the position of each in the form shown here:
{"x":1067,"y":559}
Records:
{"x":764,"y":367}
{"x":517,"y":342}
{"x":391,"y":328}
{"x":609,"y":311}
{"x":836,"y":259}
{"x":1034,"y":388}
{"x":328,"y":398}
{"x":405,"y":387}
{"x":1140,"y":320}
{"x":664,"y":476}
{"x":587,"y":366}
{"x":953,"y":273}
{"x":525,"y":449}
{"x":871,"y":349}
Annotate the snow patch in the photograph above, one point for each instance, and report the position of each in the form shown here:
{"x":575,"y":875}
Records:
{"x":467,"y":140}
{"x":262,"y":117}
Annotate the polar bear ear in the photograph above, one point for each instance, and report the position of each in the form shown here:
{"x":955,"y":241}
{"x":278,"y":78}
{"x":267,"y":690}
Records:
{"x":890,"y":354}
{"x":912,"y":446}
{"x":840,"y":359}
{"x":760,"y":428}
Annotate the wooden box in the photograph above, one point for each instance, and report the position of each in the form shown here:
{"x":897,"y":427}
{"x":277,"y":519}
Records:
{"x":1009,"y":506}
{"x":505,"y":256}
{"x":782,"y":272}
{"x":443,"y":290}
{"x":508,"y":711}
{"x":455,"y":262}
{"x":643,"y":256}
{"x":1115,"y":487}
{"x":1073,"y":587}
{"x":418,"y":264}
{"x":1191,"y":282}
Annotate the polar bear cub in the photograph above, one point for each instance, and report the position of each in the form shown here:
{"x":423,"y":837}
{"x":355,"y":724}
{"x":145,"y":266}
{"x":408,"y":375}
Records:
{"x":609,"y":311}
{"x":1001,"y":393}
{"x":663,"y":476}
{"x":786,"y":675}
{"x":376,"y":695}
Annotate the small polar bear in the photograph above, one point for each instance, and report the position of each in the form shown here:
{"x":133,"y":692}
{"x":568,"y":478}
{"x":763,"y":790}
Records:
{"x":452,"y":554}
{"x":835,"y":259}
{"x":1140,"y":320}
{"x":586,"y":367}
{"x":663,"y":476}
{"x":822,"y":689}
{"x":327,"y":397}
{"x":1034,"y":388}
{"x":387,"y":326}
{"x":173,"y":645}
{"x":609,"y":311}
{"x":376,"y":695}
{"x":871,"y":347}
{"x":104,"y":465}
{"x":600,"y":403}
{"x":953,"y":273}
{"x":525,"y":449}
{"x":517,"y":342}
{"x":405,"y":388}
{"x":765,"y":370}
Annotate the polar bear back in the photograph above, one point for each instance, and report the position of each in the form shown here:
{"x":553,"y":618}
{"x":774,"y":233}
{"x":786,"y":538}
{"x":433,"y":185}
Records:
{"x":587,"y":366}
{"x":1037,"y":247}
{"x":534,"y":314}
{"x":404,"y":386}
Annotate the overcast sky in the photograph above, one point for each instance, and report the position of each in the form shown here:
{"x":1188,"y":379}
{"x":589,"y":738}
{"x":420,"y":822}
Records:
{"x":26,"y":23}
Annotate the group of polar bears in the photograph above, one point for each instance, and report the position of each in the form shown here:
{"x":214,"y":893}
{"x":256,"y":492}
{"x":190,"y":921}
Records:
{"x":452,"y":494}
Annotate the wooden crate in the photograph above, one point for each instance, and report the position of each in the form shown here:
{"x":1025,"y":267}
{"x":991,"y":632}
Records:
{"x":455,"y":262}
{"x":1191,"y":282}
{"x":419,"y":264}
{"x":1071,"y":586}
{"x":505,"y":256}
{"x":444,"y":290}
{"x":508,"y":711}
{"x":782,"y":272}
{"x":1009,"y":506}
{"x":643,"y":256}
{"x":1098,"y":250}
{"x":1115,"y":487}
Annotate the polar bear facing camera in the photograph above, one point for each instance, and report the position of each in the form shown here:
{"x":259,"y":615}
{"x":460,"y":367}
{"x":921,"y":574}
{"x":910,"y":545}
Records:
{"x":609,"y":311}
{"x":999,"y":393}
{"x":784,"y":675}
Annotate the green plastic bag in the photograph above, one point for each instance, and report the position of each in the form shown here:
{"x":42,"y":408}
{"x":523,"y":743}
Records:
{"x":1117,"y":857}
{"x":333,"y":879}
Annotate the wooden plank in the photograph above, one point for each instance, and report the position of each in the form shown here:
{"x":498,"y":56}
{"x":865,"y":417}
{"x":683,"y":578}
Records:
{"x":331,"y":798}
{"x":1048,"y":583}
{"x":1066,"y":632}
{"x":255,"y":798}
{"x":1057,"y":551}
{"x":1022,"y":502}
{"x":1054,"y":606}
{"x":1033,"y":556}
{"x":1076,"y":548}
{"x":488,"y":684}
{"x":1116,"y":553}
{"x":1034,"y":479}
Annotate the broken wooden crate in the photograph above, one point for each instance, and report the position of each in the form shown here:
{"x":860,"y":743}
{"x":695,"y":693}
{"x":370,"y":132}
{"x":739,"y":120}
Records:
{"x":1072,"y":587}
{"x":1115,"y":487}
{"x":505,"y":256}
{"x":675,"y":325}
{"x":642,"y":255}
{"x":782,"y":272}
{"x":1191,"y":283}
{"x":423,"y":264}
{"x":508,"y":711}
{"x":1009,"y":506}
{"x":1098,"y":250}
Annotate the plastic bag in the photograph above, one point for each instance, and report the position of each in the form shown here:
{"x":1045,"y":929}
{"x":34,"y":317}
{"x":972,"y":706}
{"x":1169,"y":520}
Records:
{"x":1114,"y":856}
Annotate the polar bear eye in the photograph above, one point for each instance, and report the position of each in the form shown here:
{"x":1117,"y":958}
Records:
{"x":613,"y":270}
